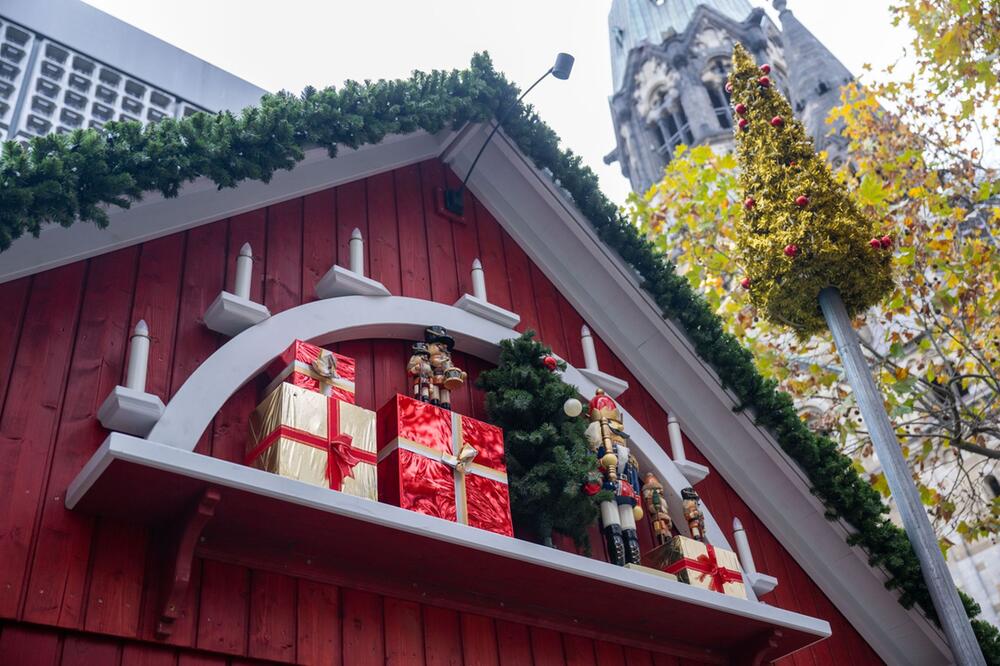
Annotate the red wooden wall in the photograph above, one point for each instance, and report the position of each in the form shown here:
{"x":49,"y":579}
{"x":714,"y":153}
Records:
{"x":68,"y":581}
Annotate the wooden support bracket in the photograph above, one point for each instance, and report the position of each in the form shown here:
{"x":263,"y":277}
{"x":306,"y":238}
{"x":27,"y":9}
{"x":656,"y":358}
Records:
{"x":759,"y":651}
{"x":186,"y":534}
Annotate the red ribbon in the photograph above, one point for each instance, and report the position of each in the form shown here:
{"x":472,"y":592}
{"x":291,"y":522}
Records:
{"x":341,"y":456}
{"x":707,"y":566}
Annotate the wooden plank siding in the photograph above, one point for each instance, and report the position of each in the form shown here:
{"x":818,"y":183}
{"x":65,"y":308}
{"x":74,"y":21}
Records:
{"x":75,"y":589}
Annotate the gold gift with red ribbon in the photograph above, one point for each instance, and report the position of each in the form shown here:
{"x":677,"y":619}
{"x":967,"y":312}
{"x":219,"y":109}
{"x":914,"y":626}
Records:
{"x":317,"y":369}
{"x":443,"y":464}
{"x":699,"y":564}
{"x":305,"y":435}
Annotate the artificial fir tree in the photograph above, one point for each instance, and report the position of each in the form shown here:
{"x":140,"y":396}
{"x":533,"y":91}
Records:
{"x":800,"y":230}
{"x":813,"y":261}
{"x":548,"y":460}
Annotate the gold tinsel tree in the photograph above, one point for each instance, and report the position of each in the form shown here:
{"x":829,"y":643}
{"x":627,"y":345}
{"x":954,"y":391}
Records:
{"x":800,"y":231}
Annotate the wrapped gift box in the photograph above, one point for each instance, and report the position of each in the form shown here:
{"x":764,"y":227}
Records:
{"x":699,"y":564}
{"x":440,"y":463}
{"x":304,"y":435}
{"x":314,"y":368}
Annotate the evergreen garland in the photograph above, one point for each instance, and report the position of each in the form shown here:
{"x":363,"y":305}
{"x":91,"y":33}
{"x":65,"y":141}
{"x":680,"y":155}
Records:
{"x":63,"y":178}
{"x":548,"y":458}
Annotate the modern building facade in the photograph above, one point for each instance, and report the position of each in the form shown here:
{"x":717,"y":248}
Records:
{"x":669,"y":64}
{"x":65,"y":65}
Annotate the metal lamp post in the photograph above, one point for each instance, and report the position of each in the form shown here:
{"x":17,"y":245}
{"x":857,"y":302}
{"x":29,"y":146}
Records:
{"x":942,"y":588}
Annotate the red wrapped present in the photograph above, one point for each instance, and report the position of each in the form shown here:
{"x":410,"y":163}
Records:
{"x":442,"y":464}
{"x":314,"y":368}
{"x":314,"y":438}
{"x":699,"y":564}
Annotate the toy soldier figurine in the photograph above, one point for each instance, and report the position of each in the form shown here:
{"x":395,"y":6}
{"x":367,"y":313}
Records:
{"x":419,"y":367}
{"x":656,"y":505}
{"x":445,"y":376}
{"x":693,"y":514}
{"x":620,"y":477}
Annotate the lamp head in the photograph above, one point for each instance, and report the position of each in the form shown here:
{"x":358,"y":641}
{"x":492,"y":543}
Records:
{"x":563,"y":67}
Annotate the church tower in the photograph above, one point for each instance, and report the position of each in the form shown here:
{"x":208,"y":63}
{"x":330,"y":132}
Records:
{"x":669,"y":63}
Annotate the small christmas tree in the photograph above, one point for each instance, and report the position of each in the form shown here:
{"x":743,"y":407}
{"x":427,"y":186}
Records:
{"x":800,"y":231}
{"x":548,"y":459}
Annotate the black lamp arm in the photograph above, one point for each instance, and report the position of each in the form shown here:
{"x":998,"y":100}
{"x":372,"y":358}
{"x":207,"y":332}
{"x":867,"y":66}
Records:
{"x":453,"y":198}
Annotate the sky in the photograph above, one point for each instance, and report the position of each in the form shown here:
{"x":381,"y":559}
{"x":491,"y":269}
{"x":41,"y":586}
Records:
{"x":294,"y":43}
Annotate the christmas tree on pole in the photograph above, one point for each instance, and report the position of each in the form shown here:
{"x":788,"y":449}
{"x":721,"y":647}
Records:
{"x":813,"y":260}
{"x":800,"y":231}
{"x":548,"y":459}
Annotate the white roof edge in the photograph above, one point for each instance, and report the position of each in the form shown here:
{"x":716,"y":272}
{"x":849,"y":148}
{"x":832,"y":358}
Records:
{"x":122,"y":46}
{"x":561,"y":241}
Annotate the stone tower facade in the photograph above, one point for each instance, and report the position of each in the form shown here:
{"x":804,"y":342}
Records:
{"x":670,"y":60}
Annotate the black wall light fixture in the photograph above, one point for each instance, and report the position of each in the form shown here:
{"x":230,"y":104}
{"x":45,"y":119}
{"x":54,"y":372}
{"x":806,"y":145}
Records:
{"x":451,"y":203}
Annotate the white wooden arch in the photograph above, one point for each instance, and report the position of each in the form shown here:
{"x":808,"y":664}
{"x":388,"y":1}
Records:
{"x":192,"y":408}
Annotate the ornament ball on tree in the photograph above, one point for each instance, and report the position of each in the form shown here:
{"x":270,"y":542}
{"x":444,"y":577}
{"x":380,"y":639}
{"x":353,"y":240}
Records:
{"x":802,"y":201}
{"x":741,"y":109}
{"x":885,"y":242}
{"x":777,"y":121}
{"x":791,"y":250}
{"x":550,"y":363}
{"x":745,"y":283}
{"x":749,"y":203}
{"x":875,"y":243}
{"x":764,"y":82}
{"x":744,"y":123}
{"x":765,"y":68}
{"x":572,"y":408}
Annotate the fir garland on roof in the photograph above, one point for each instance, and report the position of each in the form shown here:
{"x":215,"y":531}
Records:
{"x":70,"y":177}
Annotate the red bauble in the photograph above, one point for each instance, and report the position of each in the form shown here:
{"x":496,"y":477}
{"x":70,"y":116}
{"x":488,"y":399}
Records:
{"x":745,"y":283}
{"x":885,"y":242}
{"x":741,"y":108}
{"x":791,"y":250}
{"x":764,"y":81}
{"x":592,"y":488}
{"x":744,"y":123}
{"x":875,"y":243}
{"x":765,"y":68}
{"x":777,"y":121}
{"x":802,"y":201}
{"x":729,"y":87}
{"x":749,"y":203}
{"x":550,"y":362}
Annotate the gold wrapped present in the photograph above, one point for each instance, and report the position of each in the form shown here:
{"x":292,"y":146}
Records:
{"x":699,"y":564}
{"x":305,"y":435}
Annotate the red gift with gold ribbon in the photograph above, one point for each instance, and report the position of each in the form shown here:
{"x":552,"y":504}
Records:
{"x":443,"y":464}
{"x":699,"y":564}
{"x":317,"y":369}
{"x":305,"y":435}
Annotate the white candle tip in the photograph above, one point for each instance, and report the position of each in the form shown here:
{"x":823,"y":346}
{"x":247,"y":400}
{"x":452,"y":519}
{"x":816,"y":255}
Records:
{"x":737,"y":525}
{"x":356,"y":234}
{"x":584,"y":331}
{"x":476,"y":265}
{"x":245,"y":250}
{"x":141,"y":328}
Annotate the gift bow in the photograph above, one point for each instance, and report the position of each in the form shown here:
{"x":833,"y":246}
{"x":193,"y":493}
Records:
{"x":707,"y":566}
{"x":325,"y":365}
{"x":464,"y":458}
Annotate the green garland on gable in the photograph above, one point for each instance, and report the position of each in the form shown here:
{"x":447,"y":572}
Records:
{"x":66,"y":178}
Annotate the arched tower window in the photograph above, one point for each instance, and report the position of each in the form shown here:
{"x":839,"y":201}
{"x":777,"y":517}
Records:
{"x":673,"y":127}
{"x":714,"y":80}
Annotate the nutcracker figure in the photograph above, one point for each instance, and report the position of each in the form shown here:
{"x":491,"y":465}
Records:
{"x":419,"y":368}
{"x":445,"y":377}
{"x":693,"y":514}
{"x":656,"y":505}
{"x":620,"y":473}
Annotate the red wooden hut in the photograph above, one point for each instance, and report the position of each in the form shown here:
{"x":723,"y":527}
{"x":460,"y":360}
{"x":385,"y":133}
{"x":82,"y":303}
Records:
{"x":165,"y":549}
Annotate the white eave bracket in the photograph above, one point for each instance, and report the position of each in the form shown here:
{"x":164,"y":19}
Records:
{"x":339,"y":281}
{"x":612,"y":385}
{"x":692,"y":471}
{"x":488,"y":311}
{"x":231,"y":315}
{"x":129,"y":411}
{"x":761,"y":583}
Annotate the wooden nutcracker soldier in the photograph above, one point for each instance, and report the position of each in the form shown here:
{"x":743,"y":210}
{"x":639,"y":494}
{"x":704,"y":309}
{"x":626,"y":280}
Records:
{"x":620,"y":473}
{"x":693,"y":514}
{"x":445,"y":377}
{"x":419,"y":368}
{"x":656,"y":506}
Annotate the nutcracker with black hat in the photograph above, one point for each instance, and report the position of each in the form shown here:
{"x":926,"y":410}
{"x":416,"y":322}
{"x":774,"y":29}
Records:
{"x":419,"y":369}
{"x":620,"y":473}
{"x":445,"y":377}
